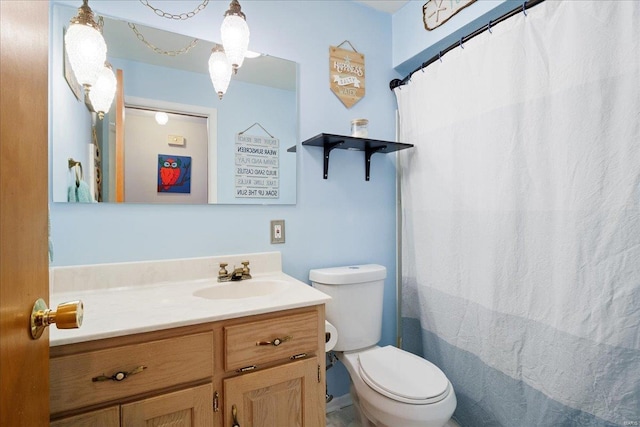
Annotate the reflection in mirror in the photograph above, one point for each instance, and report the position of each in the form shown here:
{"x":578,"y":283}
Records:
{"x":237,"y":154}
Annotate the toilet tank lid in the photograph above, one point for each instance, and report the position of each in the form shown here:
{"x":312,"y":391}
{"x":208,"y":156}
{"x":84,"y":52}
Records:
{"x":348,"y":274}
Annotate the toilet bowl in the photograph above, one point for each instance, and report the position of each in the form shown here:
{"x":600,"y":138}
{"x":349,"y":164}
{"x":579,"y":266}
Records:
{"x":397,"y":388}
{"x":390,"y":387}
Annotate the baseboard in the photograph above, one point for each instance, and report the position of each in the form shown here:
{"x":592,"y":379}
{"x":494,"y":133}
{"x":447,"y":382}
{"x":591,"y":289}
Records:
{"x":339,"y":402}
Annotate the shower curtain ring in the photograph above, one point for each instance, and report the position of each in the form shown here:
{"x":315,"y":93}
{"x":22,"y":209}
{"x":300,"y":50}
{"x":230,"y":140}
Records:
{"x":489,"y":27}
{"x":524,"y":9}
{"x":461,"y":45}
{"x":440,"y":55}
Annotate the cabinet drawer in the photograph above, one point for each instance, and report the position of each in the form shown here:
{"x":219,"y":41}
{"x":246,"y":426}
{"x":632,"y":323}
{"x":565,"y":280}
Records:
{"x":167,"y":362}
{"x":298,"y":333}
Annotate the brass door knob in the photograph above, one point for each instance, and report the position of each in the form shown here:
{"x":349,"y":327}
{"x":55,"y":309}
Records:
{"x":67,"y":316}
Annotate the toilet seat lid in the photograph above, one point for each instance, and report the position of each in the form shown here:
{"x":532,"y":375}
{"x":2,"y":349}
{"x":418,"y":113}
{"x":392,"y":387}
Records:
{"x":403,"y":376}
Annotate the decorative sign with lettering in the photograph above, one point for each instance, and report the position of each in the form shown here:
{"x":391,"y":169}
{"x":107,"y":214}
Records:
{"x":346,"y":74}
{"x":437,"y":12}
{"x":257,"y":168}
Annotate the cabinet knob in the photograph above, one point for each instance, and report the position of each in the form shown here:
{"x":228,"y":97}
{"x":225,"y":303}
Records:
{"x":119,"y":376}
{"x":68,"y":315}
{"x":276,"y":341}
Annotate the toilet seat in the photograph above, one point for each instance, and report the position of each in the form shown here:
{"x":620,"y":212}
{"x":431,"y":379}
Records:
{"x":403,"y":376}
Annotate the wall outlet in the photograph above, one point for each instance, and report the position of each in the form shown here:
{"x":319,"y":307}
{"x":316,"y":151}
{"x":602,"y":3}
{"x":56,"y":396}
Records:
{"x":277,"y":231}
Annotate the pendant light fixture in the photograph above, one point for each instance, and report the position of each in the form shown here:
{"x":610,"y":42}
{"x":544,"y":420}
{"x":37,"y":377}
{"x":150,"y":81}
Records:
{"x":103,"y":91}
{"x":220,"y":70}
{"x":235,"y":35}
{"x":85,"y":46}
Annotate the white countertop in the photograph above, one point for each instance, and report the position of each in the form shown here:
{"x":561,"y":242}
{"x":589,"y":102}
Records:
{"x":112,"y":311}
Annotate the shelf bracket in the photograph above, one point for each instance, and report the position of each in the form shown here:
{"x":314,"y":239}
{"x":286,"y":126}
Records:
{"x":328,"y":146}
{"x":368,"y":152}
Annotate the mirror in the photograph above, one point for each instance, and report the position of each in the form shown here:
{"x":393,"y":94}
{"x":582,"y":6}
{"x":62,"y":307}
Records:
{"x":229,"y":151}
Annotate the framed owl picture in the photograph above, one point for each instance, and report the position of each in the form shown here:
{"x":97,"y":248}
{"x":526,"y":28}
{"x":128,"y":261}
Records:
{"x":174,"y":174}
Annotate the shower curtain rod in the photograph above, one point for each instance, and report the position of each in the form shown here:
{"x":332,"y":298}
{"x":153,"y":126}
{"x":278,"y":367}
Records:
{"x":526,"y":5}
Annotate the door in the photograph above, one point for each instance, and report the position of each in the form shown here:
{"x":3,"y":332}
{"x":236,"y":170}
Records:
{"x":286,"y":395}
{"x":184,"y":408}
{"x":24,"y":266}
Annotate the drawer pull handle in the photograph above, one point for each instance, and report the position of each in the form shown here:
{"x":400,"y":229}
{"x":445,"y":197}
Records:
{"x":119,"y":376}
{"x":276,"y":342}
{"x":234,"y":414}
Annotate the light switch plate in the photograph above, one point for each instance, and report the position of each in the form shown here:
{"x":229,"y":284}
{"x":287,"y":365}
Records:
{"x":277,"y":231}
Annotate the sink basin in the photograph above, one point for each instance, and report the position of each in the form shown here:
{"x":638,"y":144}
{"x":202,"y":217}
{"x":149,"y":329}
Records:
{"x":251,"y":288}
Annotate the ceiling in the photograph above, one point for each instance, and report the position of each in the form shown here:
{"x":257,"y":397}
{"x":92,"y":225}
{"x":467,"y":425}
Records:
{"x":389,"y":6}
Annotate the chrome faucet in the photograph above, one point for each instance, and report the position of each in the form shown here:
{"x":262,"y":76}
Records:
{"x":239,"y":273}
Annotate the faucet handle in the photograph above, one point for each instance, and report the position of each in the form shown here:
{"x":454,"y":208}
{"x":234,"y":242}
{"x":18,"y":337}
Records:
{"x":223,"y":270}
{"x":245,"y":270}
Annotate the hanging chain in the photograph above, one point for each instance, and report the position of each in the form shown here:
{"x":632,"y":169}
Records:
{"x":157,"y":49}
{"x":182,"y":16}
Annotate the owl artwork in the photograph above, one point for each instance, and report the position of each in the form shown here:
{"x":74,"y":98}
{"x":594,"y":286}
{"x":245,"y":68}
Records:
{"x":174,"y":174}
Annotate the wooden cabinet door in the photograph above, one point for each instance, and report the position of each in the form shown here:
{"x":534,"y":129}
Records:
{"x":192,"y":407}
{"x":109,"y":417}
{"x":289,"y":395}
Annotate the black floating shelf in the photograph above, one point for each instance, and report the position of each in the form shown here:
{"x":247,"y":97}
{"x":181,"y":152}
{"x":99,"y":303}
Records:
{"x":369,"y":146}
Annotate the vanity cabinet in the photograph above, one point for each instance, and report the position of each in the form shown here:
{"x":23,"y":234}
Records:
{"x":269,"y":367}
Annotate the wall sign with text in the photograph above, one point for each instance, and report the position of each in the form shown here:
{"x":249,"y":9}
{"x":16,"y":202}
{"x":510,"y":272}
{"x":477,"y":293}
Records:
{"x":257,"y":167}
{"x":346,"y":75}
{"x":437,"y":12}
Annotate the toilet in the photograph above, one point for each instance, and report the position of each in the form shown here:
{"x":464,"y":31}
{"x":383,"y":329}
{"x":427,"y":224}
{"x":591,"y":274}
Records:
{"x":389,"y":386}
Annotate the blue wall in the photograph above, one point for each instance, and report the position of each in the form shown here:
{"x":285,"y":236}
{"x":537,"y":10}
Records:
{"x":339,"y":221}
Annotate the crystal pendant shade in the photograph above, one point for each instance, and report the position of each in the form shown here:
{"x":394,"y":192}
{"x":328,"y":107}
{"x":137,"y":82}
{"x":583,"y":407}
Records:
{"x":219,"y":70}
{"x":85,"y":47}
{"x":103,"y":91}
{"x":235,"y":35}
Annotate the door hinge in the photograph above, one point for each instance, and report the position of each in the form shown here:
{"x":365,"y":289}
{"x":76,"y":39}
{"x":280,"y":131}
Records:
{"x":319,"y":379}
{"x":216,"y":406}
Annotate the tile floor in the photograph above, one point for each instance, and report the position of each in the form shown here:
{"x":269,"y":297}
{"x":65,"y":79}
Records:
{"x":343,"y":417}
{"x":346,"y":417}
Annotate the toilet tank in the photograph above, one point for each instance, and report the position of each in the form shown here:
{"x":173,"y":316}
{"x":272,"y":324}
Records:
{"x":356,"y":306}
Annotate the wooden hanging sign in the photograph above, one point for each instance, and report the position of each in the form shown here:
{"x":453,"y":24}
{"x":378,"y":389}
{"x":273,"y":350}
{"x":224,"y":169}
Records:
{"x":346,"y":75}
{"x":437,"y":12}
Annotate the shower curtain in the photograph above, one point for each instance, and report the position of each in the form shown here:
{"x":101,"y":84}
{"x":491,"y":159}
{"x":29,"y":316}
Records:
{"x":521,"y":217}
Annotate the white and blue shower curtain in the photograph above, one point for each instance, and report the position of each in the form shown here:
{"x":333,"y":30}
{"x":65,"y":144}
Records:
{"x":521,"y":217}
